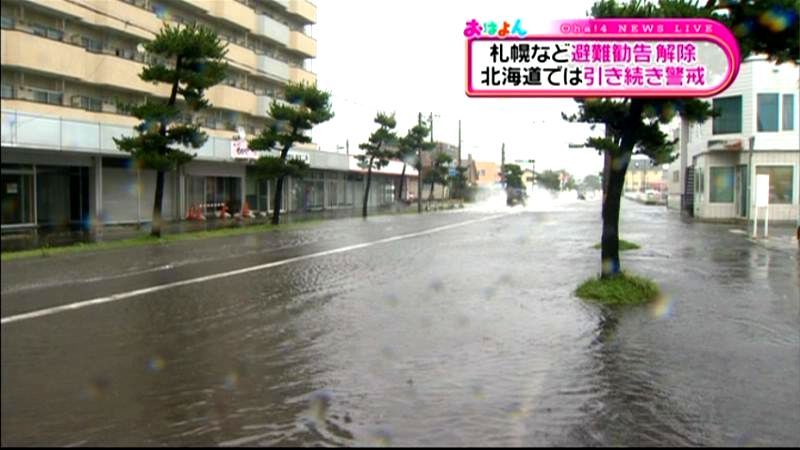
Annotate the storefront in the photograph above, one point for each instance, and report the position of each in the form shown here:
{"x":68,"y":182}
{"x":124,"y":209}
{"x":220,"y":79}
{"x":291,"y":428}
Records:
{"x":724,"y":184}
{"x":213,"y":188}
{"x":47,"y":196}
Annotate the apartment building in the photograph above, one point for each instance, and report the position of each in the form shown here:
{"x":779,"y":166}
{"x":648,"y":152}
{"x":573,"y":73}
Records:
{"x":67,"y":65}
{"x":755,"y":133}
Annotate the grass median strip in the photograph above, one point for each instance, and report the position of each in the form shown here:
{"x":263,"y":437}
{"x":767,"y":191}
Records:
{"x":148,"y":240}
{"x":623,"y":245}
{"x":623,"y":290}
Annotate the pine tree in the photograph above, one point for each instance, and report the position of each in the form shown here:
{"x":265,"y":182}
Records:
{"x":307,"y":106}
{"x":190,"y":59}
{"x":376,"y":150}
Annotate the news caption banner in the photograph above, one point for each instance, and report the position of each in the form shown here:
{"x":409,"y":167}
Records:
{"x":601,"y":58}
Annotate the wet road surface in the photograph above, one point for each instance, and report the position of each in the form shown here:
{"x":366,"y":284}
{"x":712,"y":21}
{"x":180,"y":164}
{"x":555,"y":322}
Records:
{"x":466,"y":336}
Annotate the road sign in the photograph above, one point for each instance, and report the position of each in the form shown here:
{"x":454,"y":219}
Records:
{"x":762,"y":191}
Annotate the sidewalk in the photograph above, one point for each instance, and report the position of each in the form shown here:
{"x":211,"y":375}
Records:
{"x":31,"y":238}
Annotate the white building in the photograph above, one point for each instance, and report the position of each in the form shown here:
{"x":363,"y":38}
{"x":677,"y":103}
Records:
{"x":756,"y":132}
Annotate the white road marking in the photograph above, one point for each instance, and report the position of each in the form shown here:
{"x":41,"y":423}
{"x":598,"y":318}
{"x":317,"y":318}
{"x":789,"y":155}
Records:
{"x":149,"y":290}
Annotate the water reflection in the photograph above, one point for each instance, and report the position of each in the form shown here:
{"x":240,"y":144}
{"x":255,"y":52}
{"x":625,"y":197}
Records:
{"x":633,"y":405}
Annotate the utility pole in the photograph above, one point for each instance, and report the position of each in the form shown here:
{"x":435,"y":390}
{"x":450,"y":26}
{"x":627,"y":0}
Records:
{"x":503,"y":165}
{"x":431,"y":119}
{"x":460,"y":177}
{"x":459,"y":143}
{"x":419,"y":172}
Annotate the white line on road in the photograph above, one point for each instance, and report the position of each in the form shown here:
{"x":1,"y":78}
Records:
{"x":149,"y":290}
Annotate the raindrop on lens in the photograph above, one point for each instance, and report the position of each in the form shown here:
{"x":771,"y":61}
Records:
{"x":319,"y":403}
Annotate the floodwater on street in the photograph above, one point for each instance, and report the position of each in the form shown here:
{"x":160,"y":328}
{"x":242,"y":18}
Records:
{"x":467,"y":336}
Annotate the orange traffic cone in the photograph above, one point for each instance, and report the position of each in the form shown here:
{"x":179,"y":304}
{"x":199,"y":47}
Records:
{"x":246,"y":210}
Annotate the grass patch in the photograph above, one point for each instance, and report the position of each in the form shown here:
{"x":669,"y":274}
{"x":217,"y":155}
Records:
{"x":623,"y":290}
{"x":80,"y":247}
{"x":623,"y":245}
{"x":139,"y":241}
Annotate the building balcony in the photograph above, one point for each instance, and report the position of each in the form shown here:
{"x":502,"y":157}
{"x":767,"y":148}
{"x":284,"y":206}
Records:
{"x":273,"y":67}
{"x":301,"y":43}
{"x":230,"y":11}
{"x":231,"y":98}
{"x":304,"y":10}
{"x":20,"y":49}
{"x":115,"y":14}
{"x":263,"y":104}
{"x":300,"y":75}
{"x":241,"y":55}
{"x":271,"y":28}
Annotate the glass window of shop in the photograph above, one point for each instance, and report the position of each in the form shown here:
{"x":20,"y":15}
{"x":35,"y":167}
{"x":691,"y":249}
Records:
{"x":62,"y":196}
{"x":210,"y":193}
{"x":780,"y":183}
{"x":721,"y":184}
{"x":309,"y":193}
{"x":17,"y":198}
{"x":354,"y":189}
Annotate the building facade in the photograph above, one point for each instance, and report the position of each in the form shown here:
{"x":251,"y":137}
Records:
{"x":67,"y":65}
{"x":755,"y":133}
{"x":488,"y":173}
{"x":643,"y":175}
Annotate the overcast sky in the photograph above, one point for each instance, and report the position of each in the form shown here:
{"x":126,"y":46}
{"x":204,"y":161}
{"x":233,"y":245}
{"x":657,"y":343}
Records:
{"x":408,"y":56}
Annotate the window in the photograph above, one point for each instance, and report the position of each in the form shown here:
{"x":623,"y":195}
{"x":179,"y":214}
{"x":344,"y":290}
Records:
{"x":780,"y":183}
{"x":7,"y":22}
{"x":91,"y":44}
{"x":768,"y":112}
{"x":48,"y":32}
{"x":87,"y":103}
{"x":788,"y":112}
{"x":729,"y":119}
{"x":676,"y":176}
{"x":721,"y":183}
{"x":17,"y":196}
{"x":43,"y":96}
{"x":52,"y":33}
{"x":39,"y":30}
{"x":8,"y":91}
{"x":698,"y":181}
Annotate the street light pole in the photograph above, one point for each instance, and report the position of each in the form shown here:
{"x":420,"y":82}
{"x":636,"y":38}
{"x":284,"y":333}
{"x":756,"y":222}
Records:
{"x":419,"y":172}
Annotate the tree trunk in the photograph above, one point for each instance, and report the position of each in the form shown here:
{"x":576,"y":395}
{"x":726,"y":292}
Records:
{"x":402,"y":182}
{"x":276,"y":212}
{"x":611,"y":266}
{"x":430,"y":197}
{"x":366,"y":191}
{"x":617,"y":165}
{"x":156,"y":228}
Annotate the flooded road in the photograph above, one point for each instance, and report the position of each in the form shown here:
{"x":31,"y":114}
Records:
{"x":466,"y":336}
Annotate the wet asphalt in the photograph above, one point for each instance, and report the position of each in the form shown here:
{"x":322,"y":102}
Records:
{"x":467,"y":336}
